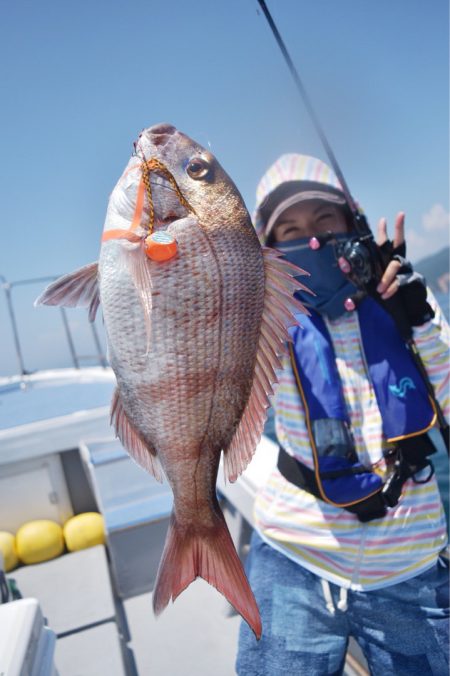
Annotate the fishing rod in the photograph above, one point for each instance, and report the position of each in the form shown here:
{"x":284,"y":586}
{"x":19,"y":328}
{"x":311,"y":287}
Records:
{"x":363,"y":255}
{"x":309,"y":108}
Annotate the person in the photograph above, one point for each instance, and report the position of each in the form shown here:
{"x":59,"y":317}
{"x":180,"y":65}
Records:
{"x":349,"y":528}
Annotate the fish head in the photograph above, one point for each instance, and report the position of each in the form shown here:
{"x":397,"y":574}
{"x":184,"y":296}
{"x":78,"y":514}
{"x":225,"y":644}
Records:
{"x":174,"y":185}
{"x":187,"y":180}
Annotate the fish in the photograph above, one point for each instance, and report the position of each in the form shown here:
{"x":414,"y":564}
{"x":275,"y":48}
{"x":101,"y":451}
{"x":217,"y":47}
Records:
{"x":195,"y":342}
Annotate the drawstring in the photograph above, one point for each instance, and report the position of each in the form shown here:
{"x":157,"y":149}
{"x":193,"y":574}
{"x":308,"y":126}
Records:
{"x":342,"y":603}
{"x":327,"y":594}
{"x":343,"y":596}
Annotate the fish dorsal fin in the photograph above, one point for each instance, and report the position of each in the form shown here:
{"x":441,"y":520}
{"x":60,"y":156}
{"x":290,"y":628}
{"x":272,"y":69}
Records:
{"x":142,"y":453}
{"x":278,"y":315}
{"x":77,"y":289}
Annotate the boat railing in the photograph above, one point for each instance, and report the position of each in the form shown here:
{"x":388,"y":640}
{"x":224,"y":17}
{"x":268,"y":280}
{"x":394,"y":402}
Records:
{"x":98,"y":357}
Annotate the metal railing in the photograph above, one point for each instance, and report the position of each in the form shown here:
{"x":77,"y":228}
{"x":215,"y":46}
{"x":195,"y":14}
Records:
{"x":8,"y":287}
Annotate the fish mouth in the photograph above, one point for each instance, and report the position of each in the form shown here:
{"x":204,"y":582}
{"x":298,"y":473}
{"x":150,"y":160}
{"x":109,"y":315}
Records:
{"x":166,"y":202}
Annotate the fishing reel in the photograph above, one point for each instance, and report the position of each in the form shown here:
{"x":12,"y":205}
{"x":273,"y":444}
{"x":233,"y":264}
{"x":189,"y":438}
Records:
{"x":355,"y":259}
{"x":363,"y":262}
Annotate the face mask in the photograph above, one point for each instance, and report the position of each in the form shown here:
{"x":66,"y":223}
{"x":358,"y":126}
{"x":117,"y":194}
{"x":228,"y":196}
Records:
{"x":327,"y":280}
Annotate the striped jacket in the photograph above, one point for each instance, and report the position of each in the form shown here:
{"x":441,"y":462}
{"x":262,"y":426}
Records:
{"x":330,"y":541}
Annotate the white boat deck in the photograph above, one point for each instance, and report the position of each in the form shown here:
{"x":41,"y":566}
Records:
{"x":50,"y":411}
{"x":197,"y":634}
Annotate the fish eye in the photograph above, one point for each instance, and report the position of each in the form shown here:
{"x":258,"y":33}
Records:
{"x":198,"y":168}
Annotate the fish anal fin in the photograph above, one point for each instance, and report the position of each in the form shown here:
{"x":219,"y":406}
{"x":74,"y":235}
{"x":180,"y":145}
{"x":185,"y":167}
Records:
{"x":280,"y":312}
{"x":208,"y":553}
{"x":141,"y":452}
{"x":77,"y":289}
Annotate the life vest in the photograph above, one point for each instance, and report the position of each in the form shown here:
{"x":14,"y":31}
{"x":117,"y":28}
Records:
{"x":407,"y":413}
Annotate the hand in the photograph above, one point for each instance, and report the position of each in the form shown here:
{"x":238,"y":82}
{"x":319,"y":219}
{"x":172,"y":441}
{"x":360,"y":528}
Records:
{"x":389,"y":283}
{"x":399,"y":275}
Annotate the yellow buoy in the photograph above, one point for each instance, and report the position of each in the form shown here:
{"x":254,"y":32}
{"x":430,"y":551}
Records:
{"x":84,"y":530}
{"x":38,"y":541}
{"x":8,"y":550}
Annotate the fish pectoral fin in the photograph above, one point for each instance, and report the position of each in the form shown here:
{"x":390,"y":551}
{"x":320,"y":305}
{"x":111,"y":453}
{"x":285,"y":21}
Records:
{"x":208,"y":553}
{"x":140,"y":273}
{"x":141,"y":452}
{"x":77,"y":289}
{"x":280,"y":308}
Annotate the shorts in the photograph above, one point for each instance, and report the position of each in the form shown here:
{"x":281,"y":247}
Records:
{"x":401,"y":629}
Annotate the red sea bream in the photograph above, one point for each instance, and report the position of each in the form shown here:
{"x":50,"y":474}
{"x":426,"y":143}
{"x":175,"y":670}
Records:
{"x":194,"y":342}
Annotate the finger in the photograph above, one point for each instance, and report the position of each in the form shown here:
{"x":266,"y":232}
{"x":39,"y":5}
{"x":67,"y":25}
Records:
{"x":391,"y":290}
{"x":399,"y":229}
{"x":382,"y":231}
{"x":389,"y":276}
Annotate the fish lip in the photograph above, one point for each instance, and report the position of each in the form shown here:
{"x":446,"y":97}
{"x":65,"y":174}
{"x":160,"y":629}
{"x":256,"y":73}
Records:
{"x":161,"y":128}
{"x":162,"y":224}
{"x":158,"y":134}
{"x":173,"y":224}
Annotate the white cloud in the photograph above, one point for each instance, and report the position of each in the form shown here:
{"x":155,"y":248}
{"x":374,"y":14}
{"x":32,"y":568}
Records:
{"x":437,"y":219}
{"x":431,"y":236}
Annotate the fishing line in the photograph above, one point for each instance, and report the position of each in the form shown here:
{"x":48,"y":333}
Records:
{"x":306,"y":100}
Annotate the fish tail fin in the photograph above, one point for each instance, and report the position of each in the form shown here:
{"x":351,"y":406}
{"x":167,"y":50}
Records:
{"x":192,"y":552}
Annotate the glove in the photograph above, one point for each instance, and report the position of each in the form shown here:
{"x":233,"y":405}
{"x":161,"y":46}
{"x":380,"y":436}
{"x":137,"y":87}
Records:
{"x":413,"y":292}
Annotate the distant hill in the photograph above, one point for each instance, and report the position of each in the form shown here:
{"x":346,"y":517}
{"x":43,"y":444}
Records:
{"x":435,"y":269}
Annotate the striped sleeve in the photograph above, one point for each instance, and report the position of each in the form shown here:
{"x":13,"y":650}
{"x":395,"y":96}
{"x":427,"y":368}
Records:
{"x":433,"y":343}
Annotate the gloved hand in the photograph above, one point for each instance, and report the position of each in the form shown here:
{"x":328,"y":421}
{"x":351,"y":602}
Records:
{"x":399,"y":276}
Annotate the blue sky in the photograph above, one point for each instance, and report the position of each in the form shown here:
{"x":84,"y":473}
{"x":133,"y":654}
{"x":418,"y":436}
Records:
{"x":80,"y":80}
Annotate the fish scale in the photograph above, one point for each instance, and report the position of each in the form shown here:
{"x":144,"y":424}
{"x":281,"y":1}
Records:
{"x":221,"y":339}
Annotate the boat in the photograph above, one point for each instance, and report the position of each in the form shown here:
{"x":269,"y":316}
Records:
{"x":89,"y":612}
